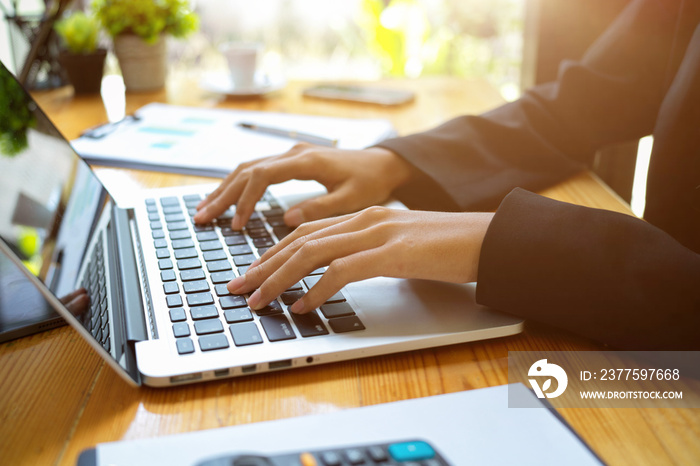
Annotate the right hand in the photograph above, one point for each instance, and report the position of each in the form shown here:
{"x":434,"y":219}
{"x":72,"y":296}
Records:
{"x":355,"y":179}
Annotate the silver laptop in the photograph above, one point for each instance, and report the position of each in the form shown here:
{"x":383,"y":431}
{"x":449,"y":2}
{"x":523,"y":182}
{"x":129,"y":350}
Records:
{"x":145,"y":286}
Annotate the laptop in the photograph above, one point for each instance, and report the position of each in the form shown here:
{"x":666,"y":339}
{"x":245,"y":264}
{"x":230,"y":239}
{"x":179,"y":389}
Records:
{"x":146,"y":287}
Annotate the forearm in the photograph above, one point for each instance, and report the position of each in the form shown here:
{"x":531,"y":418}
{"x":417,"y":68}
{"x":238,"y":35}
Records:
{"x":607,"y":276}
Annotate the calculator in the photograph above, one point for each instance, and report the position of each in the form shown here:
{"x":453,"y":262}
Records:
{"x":399,"y":453}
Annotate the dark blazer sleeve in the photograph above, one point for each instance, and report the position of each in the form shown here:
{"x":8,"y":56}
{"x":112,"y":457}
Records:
{"x":613,"y":94}
{"x":601,"y":274}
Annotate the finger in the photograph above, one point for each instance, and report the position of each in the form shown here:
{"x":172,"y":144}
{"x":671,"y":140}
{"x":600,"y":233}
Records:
{"x":222,"y":202}
{"x":311,"y":255}
{"x":260,"y":177}
{"x":341,"y":201}
{"x":352,"y":268}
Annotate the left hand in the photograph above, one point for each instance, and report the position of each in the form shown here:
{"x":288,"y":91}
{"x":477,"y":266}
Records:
{"x":374,"y":242}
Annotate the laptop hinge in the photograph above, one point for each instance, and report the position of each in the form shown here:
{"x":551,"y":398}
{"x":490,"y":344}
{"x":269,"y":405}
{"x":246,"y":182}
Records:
{"x":135,"y":326}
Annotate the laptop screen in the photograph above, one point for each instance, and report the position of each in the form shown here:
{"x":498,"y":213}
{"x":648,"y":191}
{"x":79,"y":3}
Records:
{"x":50,"y":200}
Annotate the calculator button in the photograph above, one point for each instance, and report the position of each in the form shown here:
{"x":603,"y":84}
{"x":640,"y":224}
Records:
{"x":411,"y":451}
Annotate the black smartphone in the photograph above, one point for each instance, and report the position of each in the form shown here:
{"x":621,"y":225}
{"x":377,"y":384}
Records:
{"x":360,"y":93}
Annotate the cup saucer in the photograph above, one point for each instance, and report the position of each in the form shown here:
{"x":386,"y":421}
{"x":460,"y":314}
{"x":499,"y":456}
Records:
{"x":221,"y":83}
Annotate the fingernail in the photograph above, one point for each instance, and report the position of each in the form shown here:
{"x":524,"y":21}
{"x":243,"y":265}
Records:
{"x":254,"y":300}
{"x":298,"y":306}
{"x":294,"y":217}
{"x":236,"y":284}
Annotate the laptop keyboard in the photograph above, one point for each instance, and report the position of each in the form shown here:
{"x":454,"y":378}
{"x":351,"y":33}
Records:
{"x":96,"y":318}
{"x":197,"y":261}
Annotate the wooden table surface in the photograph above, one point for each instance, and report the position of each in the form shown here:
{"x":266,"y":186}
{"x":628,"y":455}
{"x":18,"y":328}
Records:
{"x":59,"y":398}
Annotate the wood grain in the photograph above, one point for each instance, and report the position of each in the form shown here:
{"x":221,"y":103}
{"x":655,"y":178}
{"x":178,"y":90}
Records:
{"x":58,"y":398}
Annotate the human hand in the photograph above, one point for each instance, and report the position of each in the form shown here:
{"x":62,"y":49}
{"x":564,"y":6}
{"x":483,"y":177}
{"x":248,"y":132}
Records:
{"x":77,"y":302}
{"x":375,"y":242}
{"x":354,"y":179}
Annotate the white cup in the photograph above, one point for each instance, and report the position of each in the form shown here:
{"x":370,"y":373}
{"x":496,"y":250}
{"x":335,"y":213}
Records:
{"x":242,"y":59}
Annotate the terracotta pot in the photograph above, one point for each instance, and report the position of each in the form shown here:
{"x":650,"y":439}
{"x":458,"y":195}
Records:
{"x":143,"y":65}
{"x":84,"y":70}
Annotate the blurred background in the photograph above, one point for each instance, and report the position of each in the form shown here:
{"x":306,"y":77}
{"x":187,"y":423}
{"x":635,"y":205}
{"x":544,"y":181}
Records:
{"x":341,"y":39}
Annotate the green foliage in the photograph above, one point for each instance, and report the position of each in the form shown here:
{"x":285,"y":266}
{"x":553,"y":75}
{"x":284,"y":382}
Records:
{"x":146,"y":18}
{"x":15,"y":116}
{"x":79,"y":32}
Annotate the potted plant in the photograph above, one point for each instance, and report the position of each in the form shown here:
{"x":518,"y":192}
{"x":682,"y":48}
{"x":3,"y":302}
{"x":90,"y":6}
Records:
{"x":138,"y":29}
{"x":82,"y":60}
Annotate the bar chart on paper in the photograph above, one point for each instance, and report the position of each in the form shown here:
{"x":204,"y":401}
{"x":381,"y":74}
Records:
{"x":212,"y":142}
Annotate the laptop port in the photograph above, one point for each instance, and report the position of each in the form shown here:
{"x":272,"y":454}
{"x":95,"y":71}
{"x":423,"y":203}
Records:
{"x":185,"y":378}
{"x":280,"y":364}
{"x":249,"y":369}
{"x":221,"y":373}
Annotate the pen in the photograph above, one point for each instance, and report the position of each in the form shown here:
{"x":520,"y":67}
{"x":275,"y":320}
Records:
{"x":320,"y":140}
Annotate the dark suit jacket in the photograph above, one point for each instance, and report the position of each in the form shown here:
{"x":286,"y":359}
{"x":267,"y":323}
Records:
{"x":617,"y":279}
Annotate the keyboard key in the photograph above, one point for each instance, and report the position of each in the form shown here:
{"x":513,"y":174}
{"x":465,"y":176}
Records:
{"x":319,"y":271}
{"x":210,"y":245}
{"x":196,"y":286}
{"x":207,"y":236}
{"x":235,"y":239}
{"x":336,"y":298}
{"x":337,"y":310}
{"x":186,"y":264}
{"x":175,"y":226}
{"x":156,"y":226}
{"x":213,"y":342}
{"x":169,"y":201}
{"x":151,"y":209}
{"x":183,"y":243}
{"x":164,"y":264}
{"x":207,"y":227}
{"x":230,"y":301}
{"x":205,"y":327}
{"x":215,"y":255}
{"x":239,"y":249}
{"x":186,"y":253}
{"x":172,"y":209}
{"x":309,"y":325}
{"x":179,"y":234}
{"x":290,"y":297}
{"x":346,"y":324}
{"x":171,"y":287}
{"x":174,"y":300}
{"x":199,"y":299}
{"x":178,"y":314}
{"x":181,"y":329}
{"x":204,"y":312}
{"x":167,"y":275}
{"x":277,"y":328}
{"x":221,"y":290}
{"x":246,"y":259}
{"x":222,"y":277}
{"x":218,"y":266}
{"x":171,"y":218}
{"x":239,"y":314}
{"x":263,"y":242}
{"x":184,"y":345}
{"x":160,"y":243}
{"x":312,"y":280}
{"x":158,"y":234}
{"x":192,"y":198}
{"x":193,"y":274}
{"x":273,"y":308}
{"x":296,"y":287}
{"x":162,"y":253}
{"x":244,"y":334}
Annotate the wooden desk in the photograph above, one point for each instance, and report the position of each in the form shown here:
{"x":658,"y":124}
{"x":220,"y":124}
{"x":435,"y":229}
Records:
{"x":59,"y":398}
